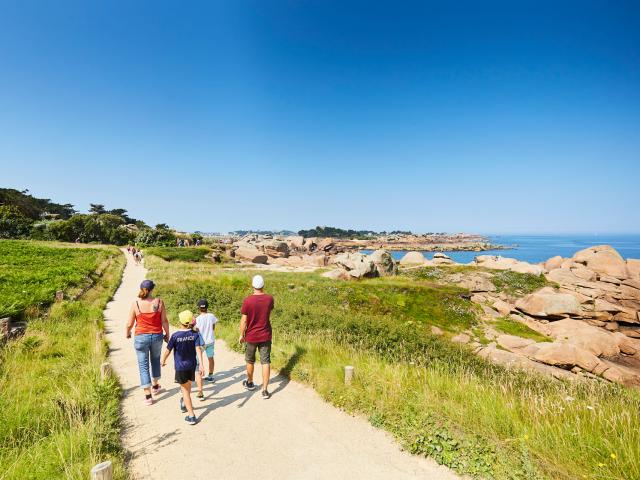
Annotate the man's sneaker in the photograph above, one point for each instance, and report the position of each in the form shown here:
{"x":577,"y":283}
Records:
{"x":191,"y":420}
{"x":200,"y":396}
{"x":209,"y":378}
{"x":248,"y":385}
{"x":266,"y":395}
{"x":148,"y":401}
{"x":183,"y":409}
{"x":156,"y":389}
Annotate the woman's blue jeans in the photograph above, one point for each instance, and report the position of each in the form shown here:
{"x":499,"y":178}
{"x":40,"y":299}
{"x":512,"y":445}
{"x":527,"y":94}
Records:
{"x":148,"y":348}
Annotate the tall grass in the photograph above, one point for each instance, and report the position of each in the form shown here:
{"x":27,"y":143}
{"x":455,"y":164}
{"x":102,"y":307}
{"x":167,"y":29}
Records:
{"x":57,"y":418}
{"x":437,"y":398}
{"x":32,"y":272}
{"x":184,"y":254}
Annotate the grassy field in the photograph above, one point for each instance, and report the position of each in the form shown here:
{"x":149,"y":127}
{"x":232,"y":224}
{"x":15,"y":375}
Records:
{"x":436,"y":397}
{"x":32,"y":272}
{"x":184,"y":254}
{"x":57,"y":419}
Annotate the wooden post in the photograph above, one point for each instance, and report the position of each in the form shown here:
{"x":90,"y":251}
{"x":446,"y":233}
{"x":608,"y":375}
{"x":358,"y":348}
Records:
{"x":5,"y":327}
{"x":102,"y":471}
{"x":59,"y":296}
{"x":348,"y":374}
{"x":105,"y":370}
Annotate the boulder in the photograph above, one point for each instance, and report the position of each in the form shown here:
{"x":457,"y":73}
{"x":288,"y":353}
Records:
{"x":275,"y":248}
{"x":584,"y":273}
{"x":497,"y":262}
{"x":604,"y":260}
{"x":337,"y":274}
{"x":566,"y":356}
{"x":477,"y":283}
{"x":461,"y":338}
{"x":512,"y":342}
{"x":325,"y":244}
{"x":548,"y":303}
{"x":595,"y":340}
{"x":502,"y":307}
{"x":317,"y":260}
{"x":524,"y":267}
{"x":250,"y":254}
{"x":357,"y":264}
{"x":384,"y":262}
{"x":296,"y":242}
{"x":553,"y":263}
{"x":436,"y":331}
{"x":412,"y":258}
{"x":633,"y":267}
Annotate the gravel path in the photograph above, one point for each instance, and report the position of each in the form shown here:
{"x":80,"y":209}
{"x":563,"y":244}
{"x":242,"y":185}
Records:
{"x":294,"y":435}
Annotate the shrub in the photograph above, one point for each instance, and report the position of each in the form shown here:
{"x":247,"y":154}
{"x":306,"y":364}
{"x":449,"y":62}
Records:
{"x":13,"y":223}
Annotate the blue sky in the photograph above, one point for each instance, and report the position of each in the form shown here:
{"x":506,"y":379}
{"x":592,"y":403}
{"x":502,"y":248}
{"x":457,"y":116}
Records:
{"x":485,"y":117}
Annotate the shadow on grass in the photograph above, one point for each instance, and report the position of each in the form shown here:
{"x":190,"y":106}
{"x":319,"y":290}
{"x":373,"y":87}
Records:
{"x":284,"y":376}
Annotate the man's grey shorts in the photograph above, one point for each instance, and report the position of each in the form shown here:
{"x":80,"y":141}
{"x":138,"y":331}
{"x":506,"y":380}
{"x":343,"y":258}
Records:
{"x":263,"y":347}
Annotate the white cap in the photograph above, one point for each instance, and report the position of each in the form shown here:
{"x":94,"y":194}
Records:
{"x":258,"y":282}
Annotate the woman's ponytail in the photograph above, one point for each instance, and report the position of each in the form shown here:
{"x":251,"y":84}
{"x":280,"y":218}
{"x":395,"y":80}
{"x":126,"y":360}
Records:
{"x":144,"y":293}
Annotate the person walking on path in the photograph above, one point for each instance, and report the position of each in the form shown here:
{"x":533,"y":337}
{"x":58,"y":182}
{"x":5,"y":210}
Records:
{"x":255,"y":332}
{"x":186,"y":344}
{"x":206,"y":325}
{"x":149,"y":316}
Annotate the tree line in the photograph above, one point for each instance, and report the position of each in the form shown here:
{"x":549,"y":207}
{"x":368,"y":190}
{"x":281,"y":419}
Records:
{"x":25,"y":216}
{"x":333,"y":232}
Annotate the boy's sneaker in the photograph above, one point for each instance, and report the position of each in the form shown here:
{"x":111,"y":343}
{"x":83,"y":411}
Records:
{"x":148,"y":401}
{"x":183,"y":409}
{"x":200,"y":396}
{"x":191,"y":420}
{"x":266,"y":395}
{"x":248,"y":385}
{"x":156,"y":389}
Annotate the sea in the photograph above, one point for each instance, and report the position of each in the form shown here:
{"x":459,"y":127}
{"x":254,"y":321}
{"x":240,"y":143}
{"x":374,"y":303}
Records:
{"x":538,"y":248}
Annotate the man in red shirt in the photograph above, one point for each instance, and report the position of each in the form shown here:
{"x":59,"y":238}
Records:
{"x":255,"y":332}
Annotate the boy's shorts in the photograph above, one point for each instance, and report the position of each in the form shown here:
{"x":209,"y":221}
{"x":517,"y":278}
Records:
{"x":208,"y":351}
{"x":183,"y":376}
{"x":263,"y":347}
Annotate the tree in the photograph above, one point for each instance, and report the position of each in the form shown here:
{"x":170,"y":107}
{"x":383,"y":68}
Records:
{"x":97,"y":208}
{"x":13,"y":223}
{"x":162,"y":226}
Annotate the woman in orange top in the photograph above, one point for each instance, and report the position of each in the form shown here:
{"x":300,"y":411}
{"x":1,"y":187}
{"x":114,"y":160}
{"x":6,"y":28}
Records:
{"x":149,"y":316}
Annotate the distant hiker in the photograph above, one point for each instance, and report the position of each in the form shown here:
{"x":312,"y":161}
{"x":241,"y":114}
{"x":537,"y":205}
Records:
{"x":255,"y":332}
{"x":149,"y":316}
{"x":187,"y":346}
{"x":137,"y":257}
{"x":198,"y":242}
{"x":206,"y":326}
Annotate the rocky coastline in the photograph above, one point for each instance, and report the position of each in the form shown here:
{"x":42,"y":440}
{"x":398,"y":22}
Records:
{"x":588,"y":310}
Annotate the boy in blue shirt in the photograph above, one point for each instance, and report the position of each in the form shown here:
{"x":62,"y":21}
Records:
{"x":185,"y":344}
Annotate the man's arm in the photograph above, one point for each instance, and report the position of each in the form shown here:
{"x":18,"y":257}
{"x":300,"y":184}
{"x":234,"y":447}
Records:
{"x":243,"y":328}
{"x":130,"y":321}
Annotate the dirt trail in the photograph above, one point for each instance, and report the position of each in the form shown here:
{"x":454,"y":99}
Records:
{"x":294,"y":435}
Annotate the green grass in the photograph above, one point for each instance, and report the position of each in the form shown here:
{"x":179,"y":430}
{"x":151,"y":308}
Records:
{"x":184,"y":254}
{"x":512,"y":327}
{"x":517,"y":284}
{"x":32,"y":272}
{"x":436,"y":397}
{"x":57,"y":418}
